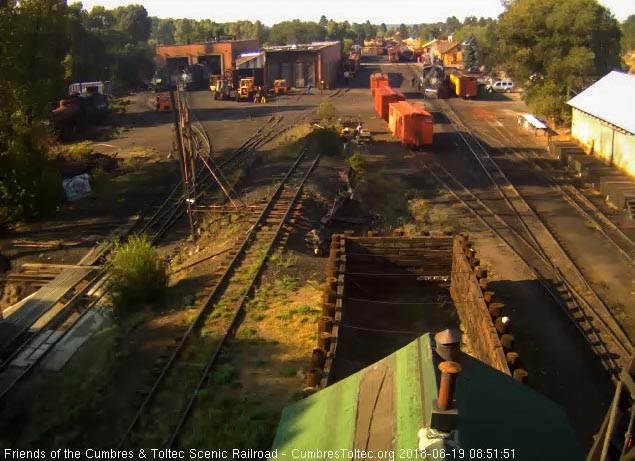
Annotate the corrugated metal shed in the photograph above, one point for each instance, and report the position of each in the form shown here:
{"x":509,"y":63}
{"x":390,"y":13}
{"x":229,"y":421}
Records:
{"x":382,"y":407}
{"x":611,"y":99}
{"x":251,"y":61}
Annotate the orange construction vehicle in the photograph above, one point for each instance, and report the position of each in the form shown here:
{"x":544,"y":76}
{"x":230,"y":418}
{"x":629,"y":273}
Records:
{"x":246,"y":89}
{"x":163,"y":102}
{"x":221,"y":87}
{"x":280,"y":87}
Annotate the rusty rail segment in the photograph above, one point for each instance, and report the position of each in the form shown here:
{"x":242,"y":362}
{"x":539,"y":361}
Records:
{"x":256,"y":241}
{"x":621,"y":343}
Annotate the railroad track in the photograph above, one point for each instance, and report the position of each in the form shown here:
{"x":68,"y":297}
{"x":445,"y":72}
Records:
{"x":173,"y":207}
{"x":547,"y":258}
{"x":587,"y":209}
{"x":169,"y":403}
{"x":541,"y":268}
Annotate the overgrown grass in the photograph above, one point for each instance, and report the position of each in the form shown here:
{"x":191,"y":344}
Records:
{"x":383,"y":194}
{"x":288,"y":371}
{"x":286,"y":283}
{"x":304,"y":310}
{"x":80,"y":151}
{"x":230,"y":420}
{"x":103,"y":186}
{"x":224,"y":374}
{"x":137,"y":276}
{"x":291,"y":143}
{"x":282,"y":259}
{"x":425,"y":216}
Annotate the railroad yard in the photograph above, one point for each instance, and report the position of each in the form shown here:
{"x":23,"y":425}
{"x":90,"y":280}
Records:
{"x":248,"y":301}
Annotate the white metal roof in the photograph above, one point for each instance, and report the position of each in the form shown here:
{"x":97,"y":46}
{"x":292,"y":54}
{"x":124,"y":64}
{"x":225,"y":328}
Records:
{"x":533,"y":121}
{"x":612,"y":99}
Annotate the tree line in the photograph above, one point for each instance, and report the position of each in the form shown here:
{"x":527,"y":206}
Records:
{"x":553,"y":48}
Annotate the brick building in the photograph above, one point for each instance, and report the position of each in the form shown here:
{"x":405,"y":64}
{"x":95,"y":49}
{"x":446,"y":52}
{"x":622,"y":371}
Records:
{"x":215,"y":56}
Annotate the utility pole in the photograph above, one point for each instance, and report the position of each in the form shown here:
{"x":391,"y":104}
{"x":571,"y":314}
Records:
{"x":182,"y":163}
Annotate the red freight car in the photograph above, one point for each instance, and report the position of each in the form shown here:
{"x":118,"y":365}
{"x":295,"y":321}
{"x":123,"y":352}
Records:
{"x":411,"y":123}
{"x":463,"y":85}
{"x":376,"y":81}
{"x":383,"y":97}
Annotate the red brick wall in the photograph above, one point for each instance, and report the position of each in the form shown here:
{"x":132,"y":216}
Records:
{"x":228,"y":50}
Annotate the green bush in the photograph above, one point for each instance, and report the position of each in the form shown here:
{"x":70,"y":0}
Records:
{"x":80,"y":151}
{"x":327,"y":113}
{"x":358,"y":168}
{"x":102,"y":185}
{"x":326,"y":141}
{"x":137,"y":276}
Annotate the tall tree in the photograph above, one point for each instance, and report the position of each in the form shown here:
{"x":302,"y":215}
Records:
{"x":470,"y":52}
{"x":31,"y":74}
{"x":323,"y":21}
{"x":296,"y":31}
{"x":100,"y":18}
{"x":568,"y":43}
{"x":133,"y":20}
{"x":184,"y":31}
{"x":452,"y":24}
{"x":628,"y":34}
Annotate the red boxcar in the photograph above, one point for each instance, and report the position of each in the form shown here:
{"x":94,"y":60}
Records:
{"x":378,"y":80}
{"x":383,"y":97}
{"x":411,"y":123}
{"x":463,"y":85}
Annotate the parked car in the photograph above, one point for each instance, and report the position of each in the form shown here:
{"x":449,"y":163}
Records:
{"x":500,"y":86}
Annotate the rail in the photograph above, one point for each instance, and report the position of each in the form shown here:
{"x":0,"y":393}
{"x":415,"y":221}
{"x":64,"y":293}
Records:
{"x":547,"y":243}
{"x":238,"y":312}
{"x":216,"y":294}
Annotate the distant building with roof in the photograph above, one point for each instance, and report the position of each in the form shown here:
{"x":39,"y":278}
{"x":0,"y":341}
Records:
{"x":603,"y":120}
{"x":215,"y":56}
{"x":398,"y":406}
{"x":449,"y":52}
{"x":300,"y":64}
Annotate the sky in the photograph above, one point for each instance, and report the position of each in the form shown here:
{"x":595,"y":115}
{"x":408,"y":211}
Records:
{"x":376,"y":11}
